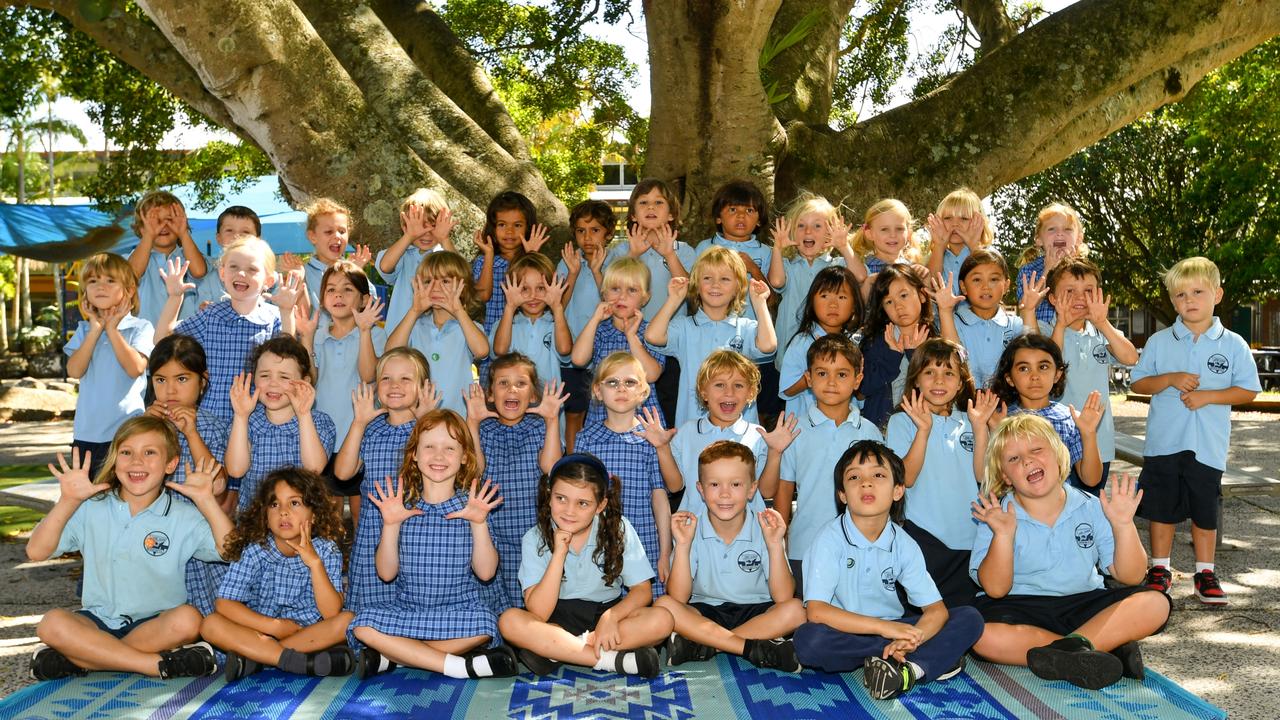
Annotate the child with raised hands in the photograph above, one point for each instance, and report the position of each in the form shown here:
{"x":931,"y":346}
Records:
{"x":136,"y":541}
{"x":280,"y":604}
{"x":899,"y":316}
{"x":425,"y":224}
{"x":329,"y":232}
{"x":802,"y":240}
{"x":856,"y":572}
{"x":739,"y":209}
{"x":433,"y":546}
{"x":276,"y":423}
{"x":164,"y":236}
{"x":653,"y":238}
{"x":516,"y":442}
{"x":108,"y":353}
{"x":233,"y":223}
{"x":978,"y":322}
{"x":1037,"y":553}
{"x":884,"y":238}
{"x":730,"y":587}
{"x":720,"y":290}
{"x":1059,"y":236}
{"x":510,"y":231}
{"x":573,"y":567}
{"x":438,"y":325}
{"x":833,"y":305}
{"x":582,"y":261}
{"x":959,"y":227}
{"x":941,"y":435}
{"x":534,"y":322}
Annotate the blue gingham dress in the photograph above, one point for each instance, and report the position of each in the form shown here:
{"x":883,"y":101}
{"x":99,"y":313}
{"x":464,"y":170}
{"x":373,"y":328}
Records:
{"x":635,"y":462}
{"x":436,"y":594}
{"x":511,"y":461}
{"x":493,"y":308}
{"x":1059,"y":416}
{"x":228,"y":338}
{"x":609,"y":340}
{"x":1044,"y":309}
{"x":271,"y":584}
{"x":382,"y":450}
{"x":202,"y":578}
{"x":275,"y":446}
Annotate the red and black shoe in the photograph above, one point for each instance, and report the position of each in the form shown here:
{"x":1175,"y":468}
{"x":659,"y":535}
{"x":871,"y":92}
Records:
{"x":1159,"y":578}
{"x":1208,"y":589}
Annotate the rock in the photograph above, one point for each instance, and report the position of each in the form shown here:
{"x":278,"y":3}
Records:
{"x":31,"y":383}
{"x":47,"y":365}
{"x":31,"y":404}
{"x":61,"y":386}
{"x":12,"y":366}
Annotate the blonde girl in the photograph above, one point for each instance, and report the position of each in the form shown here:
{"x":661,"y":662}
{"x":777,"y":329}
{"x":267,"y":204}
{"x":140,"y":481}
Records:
{"x":1059,"y":235}
{"x":958,"y":228}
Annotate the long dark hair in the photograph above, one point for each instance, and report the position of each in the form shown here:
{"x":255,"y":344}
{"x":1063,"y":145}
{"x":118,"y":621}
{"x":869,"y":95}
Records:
{"x":937,"y":351}
{"x":251,"y":525}
{"x":830,"y":279}
{"x":586,"y":470}
{"x":187,"y":352}
{"x":1000,"y":384}
{"x":877,"y":319}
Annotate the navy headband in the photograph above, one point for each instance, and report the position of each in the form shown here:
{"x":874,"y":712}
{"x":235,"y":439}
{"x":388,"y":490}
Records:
{"x":580,"y":457}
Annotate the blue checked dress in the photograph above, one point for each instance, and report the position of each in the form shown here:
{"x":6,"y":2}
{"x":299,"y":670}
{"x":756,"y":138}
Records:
{"x":228,"y":338}
{"x":382,"y":450}
{"x":635,"y":462}
{"x":493,"y":308}
{"x":275,"y":446}
{"x":1044,"y":309}
{"x":271,"y":584}
{"x":511,"y":461}
{"x":609,"y":340}
{"x":1059,"y":416}
{"x":202,"y":577}
{"x":436,"y":594}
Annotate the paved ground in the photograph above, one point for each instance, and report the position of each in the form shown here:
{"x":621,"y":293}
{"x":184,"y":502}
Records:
{"x":1229,"y":656}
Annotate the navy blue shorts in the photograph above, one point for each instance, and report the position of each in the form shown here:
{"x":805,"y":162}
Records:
{"x":118,"y":633}
{"x":731,"y":615}
{"x":1060,"y":614}
{"x":577,"y":382}
{"x":579,"y":616}
{"x":1176,"y":487}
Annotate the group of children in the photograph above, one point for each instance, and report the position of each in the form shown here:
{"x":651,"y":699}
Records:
{"x":932,"y":486}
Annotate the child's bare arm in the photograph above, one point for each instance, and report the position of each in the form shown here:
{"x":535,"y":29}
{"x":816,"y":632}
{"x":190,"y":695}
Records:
{"x":662,"y":518}
{"x":680,"y":579}
{"x":781,"y":584}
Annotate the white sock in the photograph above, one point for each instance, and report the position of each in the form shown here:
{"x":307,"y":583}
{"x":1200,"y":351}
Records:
{"x":608,"y":660}
{"x":1201,"y":567}
{"x":919,"y":671}
{"x":1160,"y":562}
{"x":455,"y":666}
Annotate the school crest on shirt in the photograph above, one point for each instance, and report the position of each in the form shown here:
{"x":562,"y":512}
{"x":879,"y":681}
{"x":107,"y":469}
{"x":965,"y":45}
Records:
{"x":155,"y":543}
{"x":749,"y":561}
{"x":546,"y":340}
{"x":1218,"y":363}
{"x":1084,"y":535}
{"x":887,"y":580}
{"x":735,"y":343}
{"x":966,"y":441}
{"x":1008,"y":334}
{"x":848,"y":563}
{"x":1100,"y":353}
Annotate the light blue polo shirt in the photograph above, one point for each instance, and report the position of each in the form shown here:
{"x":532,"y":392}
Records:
{"x":209,"y":288}
{"x":107,"y":394}
{"x":691,"y":338}
{"x":536,"y":339}
{"x":694,"y":436}
{"x":134,"y":564}
{"x":401,"y":280}
{"x":1089,"y":360}
{"x":448,"y":356}
{"x":984,"y":340}
{"x":810,"y":463}
{"x":338,"y":363}
{"x":736,"y":572}
{"x":1222,"y":360}
{"x":800,"y":274}
{"x":586,"y":295}
{"x":314,"y":271}
{"x":583,"y":579}
{"x":1058,"y":560}
{"x":151,"y":291}
{"x":951,"y":263}
{"x":939,"y":500}
{"x":845,"y":569}
{"x":759,"y":253}
{"x":659,"y":271}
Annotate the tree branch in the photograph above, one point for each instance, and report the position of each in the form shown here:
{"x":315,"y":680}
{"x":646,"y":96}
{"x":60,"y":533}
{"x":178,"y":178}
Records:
{"x":989,"y":21}
{"x":807,"y":70}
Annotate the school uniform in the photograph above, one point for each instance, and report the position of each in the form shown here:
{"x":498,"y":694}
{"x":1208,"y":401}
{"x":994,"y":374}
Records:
{"x":1186,"y":450}
{"x":228,"y":339}
{"x":634,"y":461}
{"x":535,"y":338}
{"x":1059,"y":416}
{"x":313,"y":271}
{"x":511,"y":461}
{"x":382,"y":452}
{"x":730,"y":579}
{"x":608,"y":340}
{"x":279,"y":586}
{"x":337,"y":363}
{"x":275,"y":446}
{"x":951,"y":263}
{"x":659,"y":271}
{"x":586,"y":294}
{"x":1044,"y":309}
{"x":694,"y":437}
{"x":795,"y":362}
{"x":133,"y":564}
{"x":874,"y":264}
{"x":110,"y":396}
{"x":400,"y":278}
{"x":152,"y":294}
{"x":845,"y":569}
{"x":449,"y":357}
{"x":984,"y":340}
{"x":436,"y":595}
{"x":1089,"y":360}
{"x":691,"y":338}
{"x":202,"y":578}
{"x":809,"y":462}
{"x":759,"y":253}
{"x":938,"y":505}
{"x":800,"y":274}
{"x":884,"y":378}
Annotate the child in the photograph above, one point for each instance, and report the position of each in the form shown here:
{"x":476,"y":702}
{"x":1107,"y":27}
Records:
{"x":438,"y":326}
{"x":230,"y":329}
{"x":234,"y":222}
{"x":1189,"y":424}
{"x":720,"y":292}
{"x":978,"y":323}
{"x":618,"y":325}
{"x":730,"y":587}
{"x":957,"y":229}
{"x":1059,"y":236}
{"x":328,"y":231}
{"x":433,"y":544}
{"x":582,"y":263}
{"x":108,"y":352}
{"x":898,"y":320}
{"x":1036,"y":557}
{"x":571,"y":568}
{"x":164,"y":236}
{"x":510,"y":230}
{"x":833,"y":305}
{"x":279,"y":604}
{"x":835,"y":371}
{"x":276,"y":424}
{"x":885,"y":238}
{"x":653,"y":224}
{"x":803,"y":240}
{"x":533,"y":321}
{"x":344,"y":338}
{"x":636,"y":448}
{"x":1030,"y":374}
{"x":515,"y":444}
{"x":943,"y":450}
{"x":855,"y":570}
{"x":425,"y":224}
{"x":135,"y":541}
{"x":738,"y":209}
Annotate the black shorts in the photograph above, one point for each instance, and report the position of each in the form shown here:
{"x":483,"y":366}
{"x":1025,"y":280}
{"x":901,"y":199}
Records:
{"x":1176,"y":487}
{"x":579,"y":616}
{"x":350,"y":487}
{"x":949,"y":568}
{"x":731,"y":615}
{"x":577,"y":382}
{"x":118,"y":633}
{"x":1060,"y":614}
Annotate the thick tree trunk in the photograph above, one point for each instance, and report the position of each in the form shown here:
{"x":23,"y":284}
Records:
{"x":806,"y":71}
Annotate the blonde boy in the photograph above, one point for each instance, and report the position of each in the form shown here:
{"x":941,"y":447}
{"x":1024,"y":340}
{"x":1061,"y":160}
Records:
{"x":160,"y":222}
{"x":425,"y":224}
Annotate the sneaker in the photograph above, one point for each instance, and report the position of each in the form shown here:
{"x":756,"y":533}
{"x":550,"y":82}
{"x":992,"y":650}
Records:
{"x":1130,"y":655}
{"x":887,"y":678}
{"x":239,"y":666}
{"x":772,"y":654}
{"x":341,"y":661}
{"x":537,"y":664}
{"x":681,"y":649}
{"x":1208,"y":589}
{"x":49,"y":664}
{"x":188,"y":661}
{"x":646,"y":658}
{"x":1074,"y":660}
{"x":957,"y":669}
{"x":372,"y":663}
{"x":1159,"y":578}
{"x":502,"y":661}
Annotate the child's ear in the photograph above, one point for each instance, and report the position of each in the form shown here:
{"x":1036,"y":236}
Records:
{"x":172,"y":465}
{"x":898,"y":491}
{"x":270,"y":282}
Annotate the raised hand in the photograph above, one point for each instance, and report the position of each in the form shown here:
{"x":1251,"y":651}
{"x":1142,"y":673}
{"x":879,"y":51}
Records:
{"x":637,"y":240}
{"x":479,"y":504}
{"x":414,"y":222}
{"x":174,"y":274}
{"x":759,"y":290}
{"x":304,"y":548}
{"x":362,"y":256}
{"x":782,"y":237}
{"x":783,"y":433}
{"x":111,"y":317}
{"x":443,"y":226}
{"x":388,"y":497}
{"x":973,"y":231}
{"x":367,"y":317}
{"x":664,"y":239}
{"x":538,"y":236}
{"x":1002,"y":521}
{"x":453,"y":297}
{"x":937,"y":232}
{"x":178,"y":221}
{"x":554,"y":396}
{"x":92,"y":315}
{"x":73,"y":480}
{"x":603,"y":312}
{"x":651,"y":428}
{"x":1034,"y":289}
{"x":183,"y":418}
{"x":516,"y":294}
{"x":981,"y":407}
{"x":678,"y":288}
{"x":302,"y":396}
{"x":428,"y":399}
{"x":288,"y":291}
{"x":484,"y":242}
{"x":151,"y":224}
{"x":914,"y":405}
{"x":560,"y":540}
{"x":683,"y":524}
{"x":1120,"y":499}
{"x":288,"y":263}
{"x":838,"y":234}
{"x":362,"y":403}
{"x":998,"y":415}
{"x":631,"y":326}
{"x":243,"y":401}
{"x":199,"y":481}
{"x":305,"y":325}
{"x":572,"y":260}
{"x":595,"y":259}
{"x":941,"y":292}
{"x":913,"y":336}
{"x":773,"y":527}
{"x":1089,"y":417}
{"x":477,"y":406}
{"x":555,"y":292}
{"x":421,"y":295}
{"x":1097,"y":306}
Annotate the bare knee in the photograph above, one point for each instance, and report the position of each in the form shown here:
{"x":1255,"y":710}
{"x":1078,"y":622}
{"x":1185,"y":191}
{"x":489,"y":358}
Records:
{"x":792,"y":612}
{"x":513,"y":621}
{"x":668,"y":603}
{"x":183,"y":622}
{"x":56,"y":627}
{"x":365,"y":634}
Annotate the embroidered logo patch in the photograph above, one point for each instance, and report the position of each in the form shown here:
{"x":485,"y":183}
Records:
{"x":966,"y":441}
{"x":749,"y":561}
{"x":435,"y":357}
{"x":848,"y":563}
{"x":546,"y":340}
{"x":155,"y":543}
{"x":735,"y":344}
{"x":886,"y":579}
{"x":1084,"y":535}
{"x":1218,"y":363}
{"x":1100,"y":353}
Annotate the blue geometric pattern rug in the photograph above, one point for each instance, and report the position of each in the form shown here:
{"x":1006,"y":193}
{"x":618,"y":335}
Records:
{"x":725,"y":687}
